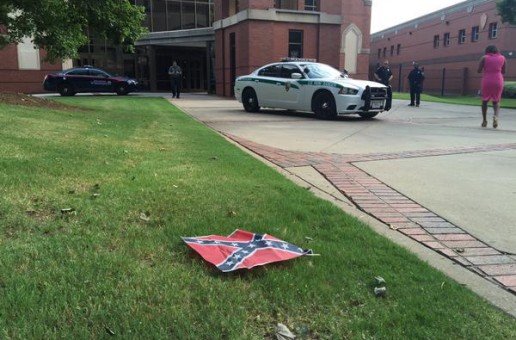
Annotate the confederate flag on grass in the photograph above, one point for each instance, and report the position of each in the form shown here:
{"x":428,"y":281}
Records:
{"x":243,"y":249}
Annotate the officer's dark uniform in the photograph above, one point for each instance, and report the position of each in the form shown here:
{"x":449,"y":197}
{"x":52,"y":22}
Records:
{"x":416,"y":77}
{"x":384,"y":73}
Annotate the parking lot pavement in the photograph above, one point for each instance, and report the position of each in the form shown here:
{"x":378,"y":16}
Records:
{"x":431,"y":173}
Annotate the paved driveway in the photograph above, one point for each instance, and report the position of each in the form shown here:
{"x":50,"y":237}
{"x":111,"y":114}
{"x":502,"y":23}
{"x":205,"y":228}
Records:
{"x":430,"y":172}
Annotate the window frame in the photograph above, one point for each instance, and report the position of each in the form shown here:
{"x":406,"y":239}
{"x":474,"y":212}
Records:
{"x":272,"y":71}
{"x":313,"y":6}
{"x":94,"y":72}
{"x":292,"y":44}
{"x":446,"y":39}
{"x":287,"y":70}
{"x":28,"y":55}
{"x":82,"y":72}
{"x":493,"y":30}
{"x":475,"y":33}
{"x":286,"y":4}
{"x":437,"y":40}
{"x":462,"y":36}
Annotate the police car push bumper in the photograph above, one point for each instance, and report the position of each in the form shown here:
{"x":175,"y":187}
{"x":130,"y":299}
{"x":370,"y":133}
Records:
{"x":376,"y":102}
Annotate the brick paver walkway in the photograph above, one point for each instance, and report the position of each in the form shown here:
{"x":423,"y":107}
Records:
{"x":398,"y":211}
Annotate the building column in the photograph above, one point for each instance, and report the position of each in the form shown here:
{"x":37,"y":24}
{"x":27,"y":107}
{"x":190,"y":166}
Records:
{"x":209,"y":67}
{"x":153,"y":81}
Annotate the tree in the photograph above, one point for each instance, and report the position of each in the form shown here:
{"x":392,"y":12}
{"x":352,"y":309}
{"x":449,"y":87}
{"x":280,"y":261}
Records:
{"x":507,"y":10}
{"x":62,"y":26}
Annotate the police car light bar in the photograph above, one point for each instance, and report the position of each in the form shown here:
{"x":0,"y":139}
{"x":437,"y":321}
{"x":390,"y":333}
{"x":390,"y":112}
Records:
{"x":299,"y":59}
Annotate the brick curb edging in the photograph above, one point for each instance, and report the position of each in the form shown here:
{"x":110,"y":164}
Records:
{"x":398,"y":211}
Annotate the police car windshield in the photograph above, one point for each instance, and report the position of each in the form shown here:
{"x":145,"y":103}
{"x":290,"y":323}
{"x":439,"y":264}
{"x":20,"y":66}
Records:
{"x":316,"y":71}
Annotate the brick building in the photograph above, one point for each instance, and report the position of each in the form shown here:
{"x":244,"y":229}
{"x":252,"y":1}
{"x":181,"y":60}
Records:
{"x":250,"y":33}
{"x":22,"y":68}
{"x":448,"y":43}
{"x":214,"y":41}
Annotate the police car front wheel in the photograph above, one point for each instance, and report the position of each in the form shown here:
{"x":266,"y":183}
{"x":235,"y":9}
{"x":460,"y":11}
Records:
{"x":323,"y":105}
{"x":121,"y":90}
{"x":66,"y":90}
{"x":250,"y":101}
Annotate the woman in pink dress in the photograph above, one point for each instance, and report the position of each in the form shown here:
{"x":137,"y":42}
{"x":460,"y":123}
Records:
{"x":492,"y":64}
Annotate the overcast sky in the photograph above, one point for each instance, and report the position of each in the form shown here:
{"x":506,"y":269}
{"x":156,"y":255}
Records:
{"x":387,"y":13}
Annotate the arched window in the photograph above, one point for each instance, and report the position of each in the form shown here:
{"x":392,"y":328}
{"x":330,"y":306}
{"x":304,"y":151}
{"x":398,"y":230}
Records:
{"x":351,"y":45}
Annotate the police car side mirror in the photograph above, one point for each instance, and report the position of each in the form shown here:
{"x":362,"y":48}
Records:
{"x":296,"y":75}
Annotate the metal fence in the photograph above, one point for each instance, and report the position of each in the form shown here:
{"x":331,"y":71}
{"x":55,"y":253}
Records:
{"x":440,"y":81}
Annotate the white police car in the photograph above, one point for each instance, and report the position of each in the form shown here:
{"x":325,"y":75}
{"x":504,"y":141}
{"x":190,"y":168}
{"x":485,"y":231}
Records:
{"x":311,"y":87}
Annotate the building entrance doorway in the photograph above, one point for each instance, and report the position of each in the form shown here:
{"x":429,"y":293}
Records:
{"x":192,"y":63}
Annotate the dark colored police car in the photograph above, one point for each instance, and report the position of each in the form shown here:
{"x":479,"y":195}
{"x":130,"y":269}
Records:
{"x":88,"y":79}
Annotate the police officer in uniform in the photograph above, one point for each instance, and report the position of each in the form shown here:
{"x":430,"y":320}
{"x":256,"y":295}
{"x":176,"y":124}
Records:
{"x":383,"y":74}
{"x":176,"y":77}
{"x":416,"y":77}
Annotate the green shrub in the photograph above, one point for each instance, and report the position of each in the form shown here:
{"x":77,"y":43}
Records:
{"x":509,"y":89}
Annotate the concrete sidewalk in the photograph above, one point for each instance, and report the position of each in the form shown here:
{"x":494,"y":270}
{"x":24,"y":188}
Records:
{"x":429,"y":178}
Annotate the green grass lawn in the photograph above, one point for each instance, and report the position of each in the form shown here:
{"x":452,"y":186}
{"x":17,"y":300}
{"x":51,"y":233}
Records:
{"x":92,"y":207}
{"x":506,"y":103}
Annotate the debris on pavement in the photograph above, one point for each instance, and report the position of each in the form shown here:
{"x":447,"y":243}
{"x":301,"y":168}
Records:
{"x":393,"y":227}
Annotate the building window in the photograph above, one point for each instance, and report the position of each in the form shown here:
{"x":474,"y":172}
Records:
{"x":295,"y":44}
{"x":392,"y":50}
{"x":398,"y":49}
{"x":474,"y":33}
{"x":28,"y":55}
{"x":384,"y":52}
{"x":493,"y":30}
{"x":312,"y":5}
{"x":446,"y":39}
{"x":436,"y":41}
{"x":285,"y":4}
{"x":234,"y":7}
{"x":379,"y":52}
{"x":173,"y":15}
{"x":462,"y":36}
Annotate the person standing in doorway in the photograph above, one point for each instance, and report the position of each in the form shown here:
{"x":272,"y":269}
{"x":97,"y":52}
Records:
{"x":383,"y":73}
{"x":492,"y":67}
{"x":416,"y":77}
{"x":176,"y":76}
